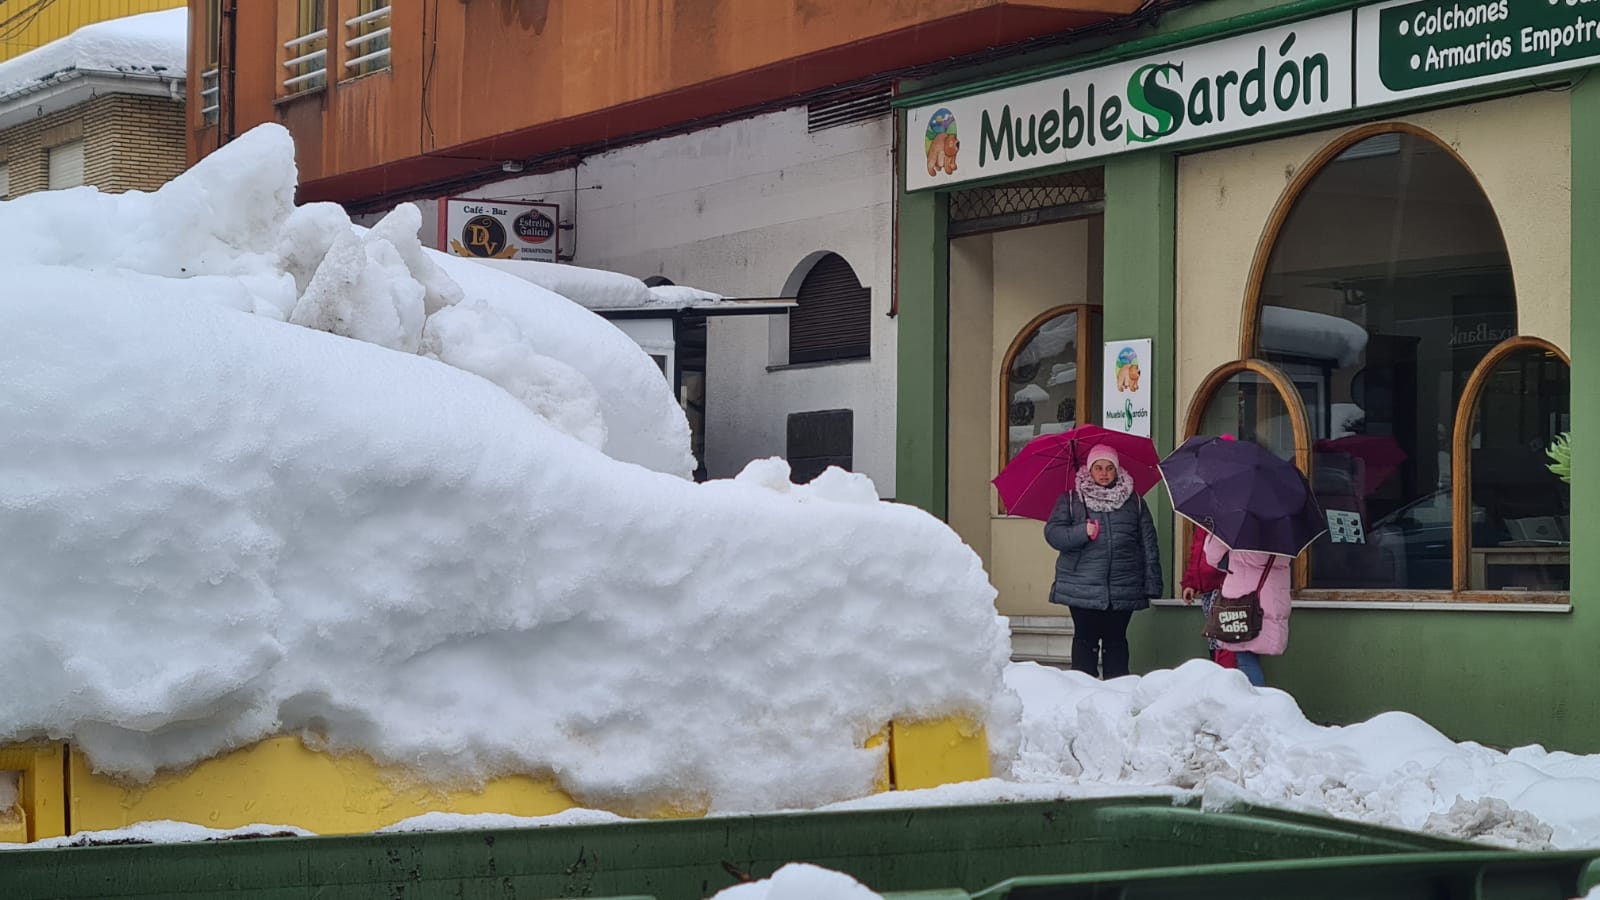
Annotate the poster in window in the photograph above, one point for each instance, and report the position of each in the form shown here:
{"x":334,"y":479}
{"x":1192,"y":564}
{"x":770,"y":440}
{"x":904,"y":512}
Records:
{"x":1126,"y":386}
{"x":499,"y":229}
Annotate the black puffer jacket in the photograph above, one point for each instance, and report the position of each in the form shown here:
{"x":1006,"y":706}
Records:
{"x":1120,"y":570}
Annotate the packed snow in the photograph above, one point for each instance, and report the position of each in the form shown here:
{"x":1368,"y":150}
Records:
{"x":801,"y":881}
{"x":598,"y":289}
{"x":266,"y":472}
{"x":154,"y":44}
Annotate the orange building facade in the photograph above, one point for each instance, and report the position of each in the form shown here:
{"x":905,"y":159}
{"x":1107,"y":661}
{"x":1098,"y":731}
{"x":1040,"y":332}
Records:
{"x":388,"y":100}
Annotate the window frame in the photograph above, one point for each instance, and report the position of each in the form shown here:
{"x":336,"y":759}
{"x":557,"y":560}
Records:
{"x":1461,"y":474}
{"x":835,"y":353}
{"x":363,"y":25}
{"x":1088,"y":375}
{"x":210,"y":110}
{"x":299,"y":33}
{"x":1460,"y":465}
{"x":1299,"y":422}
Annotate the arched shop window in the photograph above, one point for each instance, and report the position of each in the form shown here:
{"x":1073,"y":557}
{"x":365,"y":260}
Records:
{"x":1515,"y":406}
{"x":1381,"y":291}
{"x":1255,"y":401}
{"x":1047,"y":382}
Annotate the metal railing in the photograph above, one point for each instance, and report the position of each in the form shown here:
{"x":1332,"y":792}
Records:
{"x":210,"y":96}
{"x":309,"y":68}
{"x":368,"y":42}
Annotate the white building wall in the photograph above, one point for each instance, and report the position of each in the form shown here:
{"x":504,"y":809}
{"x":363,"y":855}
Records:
{"x":740,"y":209}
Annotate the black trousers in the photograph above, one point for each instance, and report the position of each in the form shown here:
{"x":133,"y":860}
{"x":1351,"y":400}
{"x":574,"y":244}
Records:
{"x":1100,"y":641}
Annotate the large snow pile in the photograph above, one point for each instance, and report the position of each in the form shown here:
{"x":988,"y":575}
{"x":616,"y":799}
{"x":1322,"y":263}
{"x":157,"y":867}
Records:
{"x":154,"y":44}
{"x":1203,"y":728}
{"x":223,"y":522}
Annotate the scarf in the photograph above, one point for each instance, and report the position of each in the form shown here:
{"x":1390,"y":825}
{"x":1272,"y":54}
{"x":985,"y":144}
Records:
{"x":1104,"y":499}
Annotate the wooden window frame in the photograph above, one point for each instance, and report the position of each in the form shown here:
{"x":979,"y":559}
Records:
{"x":1249,"y":339}
{"x":1087,"y":372}
{"x":364,"y":39}
{"x":298,"y":38}
{"x":1461,"y":474}
{"x":1299,"y":423}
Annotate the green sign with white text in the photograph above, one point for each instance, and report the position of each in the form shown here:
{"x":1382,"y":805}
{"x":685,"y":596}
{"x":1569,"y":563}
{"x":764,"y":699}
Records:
{"x":1425,"y":47}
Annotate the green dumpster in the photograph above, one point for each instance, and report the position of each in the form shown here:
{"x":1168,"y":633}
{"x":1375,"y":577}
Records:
{"x":1479,"y":875}
{"x":940,"y":849}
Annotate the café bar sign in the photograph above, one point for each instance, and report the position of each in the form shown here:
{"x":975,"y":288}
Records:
{"x":1334,"y":63}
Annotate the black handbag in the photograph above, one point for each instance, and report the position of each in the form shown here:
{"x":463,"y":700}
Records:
{"x":1234,"y":620}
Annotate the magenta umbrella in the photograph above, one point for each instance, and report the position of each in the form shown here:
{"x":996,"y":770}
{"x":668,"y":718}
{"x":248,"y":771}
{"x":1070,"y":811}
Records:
{"x":1046,"y":468}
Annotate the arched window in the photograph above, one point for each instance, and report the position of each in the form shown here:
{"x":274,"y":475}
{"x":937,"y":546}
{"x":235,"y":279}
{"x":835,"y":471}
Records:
{"x":1253,"y":401}
{"x":832,"y":318}
{"x":1514,"y":407}
{"x":1386,"y":282}
{"x":1047,"y":382}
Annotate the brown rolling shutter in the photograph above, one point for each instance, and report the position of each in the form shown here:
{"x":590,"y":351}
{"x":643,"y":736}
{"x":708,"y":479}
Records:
{"x":833,"y":319}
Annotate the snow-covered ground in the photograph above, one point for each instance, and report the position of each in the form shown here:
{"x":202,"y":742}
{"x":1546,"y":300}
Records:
{"x":267,"y":472}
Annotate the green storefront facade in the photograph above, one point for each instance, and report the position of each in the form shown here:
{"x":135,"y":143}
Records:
{"x":1443,"y":320}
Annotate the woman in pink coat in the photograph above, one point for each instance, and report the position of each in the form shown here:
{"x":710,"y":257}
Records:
{"x":1244,"y":573}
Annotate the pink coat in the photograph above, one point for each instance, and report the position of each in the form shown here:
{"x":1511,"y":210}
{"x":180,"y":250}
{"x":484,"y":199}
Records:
{"x":1244,"y":572}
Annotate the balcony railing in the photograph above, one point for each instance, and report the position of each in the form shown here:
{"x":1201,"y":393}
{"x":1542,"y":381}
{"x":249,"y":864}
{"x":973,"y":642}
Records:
{"x":367,"y":46}
{"x":210,"y":96}
{"x":307,"y":63}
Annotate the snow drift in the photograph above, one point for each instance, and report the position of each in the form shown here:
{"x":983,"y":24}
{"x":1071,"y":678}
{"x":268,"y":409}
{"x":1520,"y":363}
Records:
{"x":264,"y":472}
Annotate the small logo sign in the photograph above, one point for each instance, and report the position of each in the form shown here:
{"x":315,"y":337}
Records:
{"x":534,"y":227}
{"x":484,"y":236}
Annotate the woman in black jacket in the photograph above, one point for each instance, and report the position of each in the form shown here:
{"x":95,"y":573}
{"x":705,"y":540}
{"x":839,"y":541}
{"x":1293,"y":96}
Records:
{"x":1110,"y":562}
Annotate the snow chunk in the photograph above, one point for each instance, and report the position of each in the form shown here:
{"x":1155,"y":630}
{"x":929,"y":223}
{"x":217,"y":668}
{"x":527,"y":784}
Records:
{"x":801,"y":881}
{"x":644,"y":423}
{"x":362,"y":289}
{"x":476,"y":337}
{"x":148,"y":44}
{"x":400,"y":228}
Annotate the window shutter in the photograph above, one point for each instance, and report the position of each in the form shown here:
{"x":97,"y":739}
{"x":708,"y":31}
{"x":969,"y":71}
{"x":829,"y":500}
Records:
{"x":833,"y":318}
{"x":5,"y":181}
{"x":66,"y":165}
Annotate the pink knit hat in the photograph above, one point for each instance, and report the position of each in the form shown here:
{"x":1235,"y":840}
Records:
{"x":1099,"y":452}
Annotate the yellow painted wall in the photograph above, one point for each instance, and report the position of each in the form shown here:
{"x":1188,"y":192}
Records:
{"x":1519,"y":148}
{"x":998,"y":283}
{"x":24,"y":30}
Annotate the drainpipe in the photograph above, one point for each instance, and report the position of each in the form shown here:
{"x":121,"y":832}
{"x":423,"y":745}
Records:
{"x":230,"y":10}
{"x":894,"y":209}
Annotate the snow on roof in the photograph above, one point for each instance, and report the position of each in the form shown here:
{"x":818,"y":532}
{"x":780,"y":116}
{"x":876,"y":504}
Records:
{"x":268,"y":473}
{"x":153,"y":44}
{"x":602,"y":290}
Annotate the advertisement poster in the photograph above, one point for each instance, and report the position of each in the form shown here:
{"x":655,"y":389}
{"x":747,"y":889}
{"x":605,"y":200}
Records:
{"x":1126,"y":392}
{"x":500,"y":229}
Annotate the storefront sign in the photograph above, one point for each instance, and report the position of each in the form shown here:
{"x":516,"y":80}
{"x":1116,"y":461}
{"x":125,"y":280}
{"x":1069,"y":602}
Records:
{"x":1126,"y":393}
{"x":495,"y":229}
{"x":1371,"y":56}
{"x":1266,"y":78}
{"x":1411,"y":49}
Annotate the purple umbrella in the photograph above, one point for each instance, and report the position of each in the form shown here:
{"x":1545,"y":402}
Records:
{"x":1240,"y":492}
